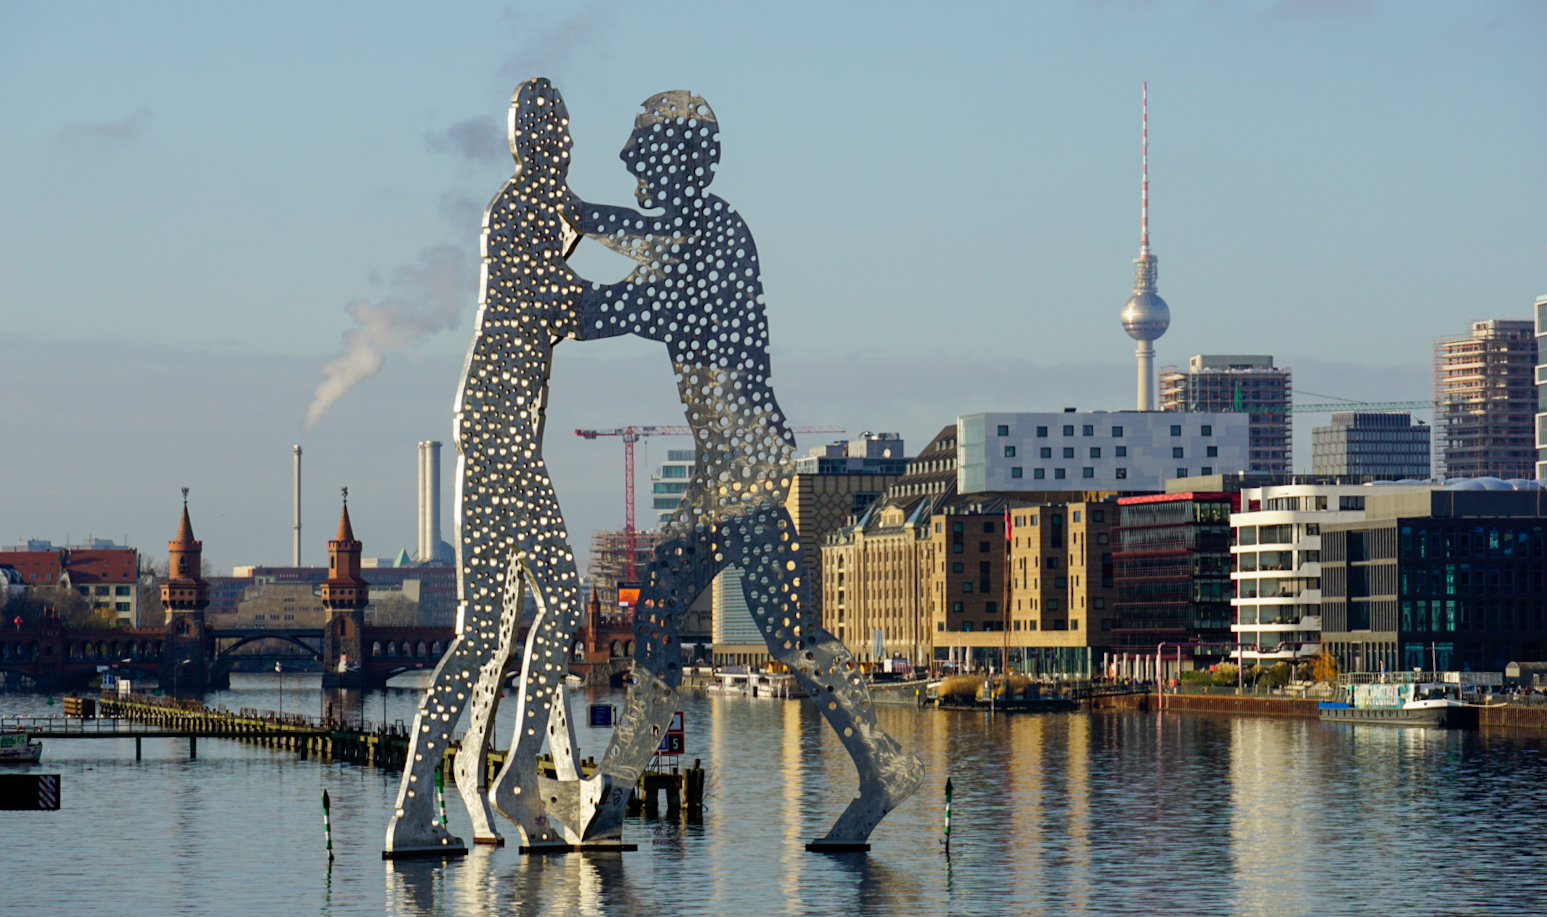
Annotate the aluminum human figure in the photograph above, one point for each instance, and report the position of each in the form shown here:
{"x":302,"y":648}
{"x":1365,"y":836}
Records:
{"x":697,"y":289}
{"x":511,"y":535}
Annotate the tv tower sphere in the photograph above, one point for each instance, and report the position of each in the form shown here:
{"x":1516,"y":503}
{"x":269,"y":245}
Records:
{"x":1146,"y":316}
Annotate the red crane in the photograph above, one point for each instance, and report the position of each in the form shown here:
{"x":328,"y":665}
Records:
{"x":632,"y":435}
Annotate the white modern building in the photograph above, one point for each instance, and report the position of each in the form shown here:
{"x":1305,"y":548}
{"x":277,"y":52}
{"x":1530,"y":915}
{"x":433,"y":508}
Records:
{"x":1096,"y":451}
{"x":1276,"y":554}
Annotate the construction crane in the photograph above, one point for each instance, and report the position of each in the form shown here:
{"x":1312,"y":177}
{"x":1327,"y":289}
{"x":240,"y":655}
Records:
{"x":632,"y":435}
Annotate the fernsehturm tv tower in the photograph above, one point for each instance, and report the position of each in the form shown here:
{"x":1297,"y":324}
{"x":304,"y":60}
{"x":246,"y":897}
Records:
{"x":1146,"y":316}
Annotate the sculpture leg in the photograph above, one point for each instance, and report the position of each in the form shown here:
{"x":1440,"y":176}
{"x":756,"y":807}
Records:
{"x":683,"y":567}
{"x":516,"y":790}
{"x":415,"y":829}
{"x":764,"y":545}
{"x":472,"y":759}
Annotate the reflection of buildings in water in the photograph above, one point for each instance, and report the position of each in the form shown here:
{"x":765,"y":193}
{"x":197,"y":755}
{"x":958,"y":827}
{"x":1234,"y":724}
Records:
{"x":879,"y":889}
{"x":1080,"y":889}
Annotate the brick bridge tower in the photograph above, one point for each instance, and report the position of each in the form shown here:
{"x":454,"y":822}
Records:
{"x":185,"y":659}
{"x":344,"y":594}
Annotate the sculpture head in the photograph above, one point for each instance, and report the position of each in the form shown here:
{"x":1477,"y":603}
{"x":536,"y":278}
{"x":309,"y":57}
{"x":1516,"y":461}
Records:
{"x":538,"y":126}
{"x":674,"y":148}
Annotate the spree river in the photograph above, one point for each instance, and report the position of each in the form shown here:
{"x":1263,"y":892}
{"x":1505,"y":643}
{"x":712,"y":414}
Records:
{"x":1085,"y":813}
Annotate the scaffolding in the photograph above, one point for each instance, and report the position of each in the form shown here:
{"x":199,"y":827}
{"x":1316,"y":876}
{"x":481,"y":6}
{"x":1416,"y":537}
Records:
{"x":1485,"y":401}
{"x":605,"y":570}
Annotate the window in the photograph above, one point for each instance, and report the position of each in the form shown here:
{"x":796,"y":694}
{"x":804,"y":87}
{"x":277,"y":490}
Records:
{"x":1206,"y":469}
{"x":1045,"y":452}
{"x":1052,"y":563}
{"x":937,"y":528}
{"x":1102,"y":538}
{"x":956,"y":567}
{"x":1004,"y":429}
{"x":1178,"y":452}
{"x":988,"y":528}
{"x":956,"y":527}
{"x":991,"y":607}
{"x":1068,"y":429}
{"x":1098,"y":603}
{"x":1208,"y":430}
{"x":1061,"y":582}
{"x":1095,"y":452}
{"x":1075,"y":517}
{"x":1015,"y":472}
{"x":983,"y":547}
{"x":1087,"y":472}
{"x":1181,"y":472}
{"x":1122,"y":474}
{"x":1068,"y":452}
{"x":1120,"y":451}
{"x":956,"y":548}
{"x":1058,"y":474}
{"x":1117,"y":432}
{"x":1211,"y":451}
{"x":1098,"y":515}
{"x":966,"y":586}
{"x":120,"y":590}
{"x":1038,"y":474}
{"x":1042,"y":431}
{"x":1087,"y":430}
{"x":1176,"y":429}
{"x":1052,"y":604}
{"x":1009,"y":452}
{"x":956,"y":606}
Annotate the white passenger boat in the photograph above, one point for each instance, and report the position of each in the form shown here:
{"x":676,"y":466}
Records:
{"x":16,"y":748}
{"x":1423,"y":703}
{"x":734,"y":683}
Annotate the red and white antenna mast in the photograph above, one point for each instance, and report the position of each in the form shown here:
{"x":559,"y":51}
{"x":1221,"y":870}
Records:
{"x":1144,"y":183}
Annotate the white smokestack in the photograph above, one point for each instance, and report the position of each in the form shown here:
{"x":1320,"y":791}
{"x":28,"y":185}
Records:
{"x":296,"y":549}
{"x":429,"y":501}
{"x":433,"y":525}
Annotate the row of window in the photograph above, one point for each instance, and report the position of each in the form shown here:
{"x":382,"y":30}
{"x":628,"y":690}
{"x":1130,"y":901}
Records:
{"x":1090,"y":430}
{"x":104,"y":590}
{"x":1117,"y":452}
{"x":1121,"y":474}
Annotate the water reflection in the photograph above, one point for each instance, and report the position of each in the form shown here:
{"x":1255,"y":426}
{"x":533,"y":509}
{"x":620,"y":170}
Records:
{"x":1063,"y":814}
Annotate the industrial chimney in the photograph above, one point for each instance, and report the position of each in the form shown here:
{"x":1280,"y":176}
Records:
{"x":295,"y":558}
{"x":429,"y":501}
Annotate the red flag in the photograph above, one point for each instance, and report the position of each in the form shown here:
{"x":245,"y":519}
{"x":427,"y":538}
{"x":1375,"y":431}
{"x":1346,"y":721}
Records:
{"x":1007,"y":523}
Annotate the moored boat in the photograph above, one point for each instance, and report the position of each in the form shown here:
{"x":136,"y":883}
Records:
{"x":1424,"y":703}
{"x":16,"y":748}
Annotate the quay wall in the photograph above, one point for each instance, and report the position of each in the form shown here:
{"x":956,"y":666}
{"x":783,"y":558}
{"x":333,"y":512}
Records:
{"x":1222,"y":703}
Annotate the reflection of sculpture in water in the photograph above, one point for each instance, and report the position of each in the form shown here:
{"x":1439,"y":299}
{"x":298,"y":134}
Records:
{"x":697,"y":289}
{"x":511,"y":535}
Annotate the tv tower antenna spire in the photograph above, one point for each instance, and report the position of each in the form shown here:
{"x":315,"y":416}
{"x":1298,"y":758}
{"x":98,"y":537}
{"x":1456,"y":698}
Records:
{"x":1144,"y":182}
{"x":1145,"y":316}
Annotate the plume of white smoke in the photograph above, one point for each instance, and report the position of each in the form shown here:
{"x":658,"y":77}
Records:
{"x":421,"y":299}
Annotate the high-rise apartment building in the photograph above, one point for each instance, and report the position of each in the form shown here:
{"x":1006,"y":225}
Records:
{"x":1485,"y":401}
{"x":1237,"y":383}
{"x":1541,"y":385}
{"x":1383,"y":445}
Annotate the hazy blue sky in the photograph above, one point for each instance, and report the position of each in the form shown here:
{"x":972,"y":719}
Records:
{"x":945,"y":200}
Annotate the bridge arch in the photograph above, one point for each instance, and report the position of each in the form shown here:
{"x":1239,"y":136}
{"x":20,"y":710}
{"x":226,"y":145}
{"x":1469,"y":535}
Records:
{"x":242,"y":641}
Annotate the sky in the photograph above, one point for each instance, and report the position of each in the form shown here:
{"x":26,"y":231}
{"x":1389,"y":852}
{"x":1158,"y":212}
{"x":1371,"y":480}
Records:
{"x":221,"y":221}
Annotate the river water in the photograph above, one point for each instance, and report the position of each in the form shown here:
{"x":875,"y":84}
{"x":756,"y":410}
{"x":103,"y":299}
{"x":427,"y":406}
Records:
{"x":1088,"y":813}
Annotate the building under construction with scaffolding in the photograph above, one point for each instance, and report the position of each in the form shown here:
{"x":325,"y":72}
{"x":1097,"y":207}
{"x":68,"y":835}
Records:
{"x":1239,"y":383}
{"x":608,"y":566}
{"x":1485,"y":401}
